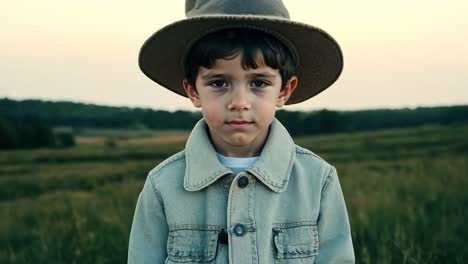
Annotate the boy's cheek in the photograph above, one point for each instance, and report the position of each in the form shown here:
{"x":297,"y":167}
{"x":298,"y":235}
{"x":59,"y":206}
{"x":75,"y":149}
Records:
{"x":212,"y":116}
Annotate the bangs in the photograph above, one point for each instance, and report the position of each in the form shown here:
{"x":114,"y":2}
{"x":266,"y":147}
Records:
{"x":256,"y":47}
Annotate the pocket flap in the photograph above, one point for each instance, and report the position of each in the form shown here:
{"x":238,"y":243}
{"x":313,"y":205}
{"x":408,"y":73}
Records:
{"x":192,"y":245}
{"x":296,"y":242}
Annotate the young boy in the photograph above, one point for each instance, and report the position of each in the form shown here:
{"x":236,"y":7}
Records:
{"x":241,"y":191}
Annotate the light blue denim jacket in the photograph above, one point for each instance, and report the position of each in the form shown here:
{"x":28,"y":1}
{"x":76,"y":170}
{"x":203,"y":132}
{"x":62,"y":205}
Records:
{"x":287,"y":207}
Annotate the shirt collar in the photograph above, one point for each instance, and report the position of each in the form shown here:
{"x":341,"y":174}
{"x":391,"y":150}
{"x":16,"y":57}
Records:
{"x":273,"y":167}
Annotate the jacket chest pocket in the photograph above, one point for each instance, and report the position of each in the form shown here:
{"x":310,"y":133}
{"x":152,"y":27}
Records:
{"x":192,"y":246}
{"x":295,"y":245}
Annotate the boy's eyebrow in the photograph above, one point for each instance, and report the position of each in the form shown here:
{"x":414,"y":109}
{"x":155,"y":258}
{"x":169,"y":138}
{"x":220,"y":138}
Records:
{"x":262,"y":74}
{"x":250,"y":75}
{"x":213,"y":76}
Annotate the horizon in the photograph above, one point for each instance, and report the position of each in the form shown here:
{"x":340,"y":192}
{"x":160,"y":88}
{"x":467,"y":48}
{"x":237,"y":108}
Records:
{"x":396,"y":55}
{"x":198,"y":110}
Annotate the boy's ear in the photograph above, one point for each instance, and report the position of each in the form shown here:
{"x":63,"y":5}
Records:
{"x":192,"y":94}
{"x":288,"y":89}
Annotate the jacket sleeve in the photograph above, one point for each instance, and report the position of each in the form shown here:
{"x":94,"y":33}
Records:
{"x":335,"y":244}
{"x":148,"y":236}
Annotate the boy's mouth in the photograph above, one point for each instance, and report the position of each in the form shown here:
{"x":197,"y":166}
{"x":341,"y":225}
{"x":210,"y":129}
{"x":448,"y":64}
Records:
{"x":238,"y":123}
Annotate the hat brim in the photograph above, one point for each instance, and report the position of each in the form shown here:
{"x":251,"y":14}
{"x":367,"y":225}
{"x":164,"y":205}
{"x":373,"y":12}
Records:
{"x":319,"y":55}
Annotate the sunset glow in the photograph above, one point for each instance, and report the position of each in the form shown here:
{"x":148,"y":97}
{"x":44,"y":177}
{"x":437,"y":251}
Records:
{"x":397,"y":54}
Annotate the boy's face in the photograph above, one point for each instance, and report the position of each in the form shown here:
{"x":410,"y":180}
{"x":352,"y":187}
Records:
{"x":238,"y":105}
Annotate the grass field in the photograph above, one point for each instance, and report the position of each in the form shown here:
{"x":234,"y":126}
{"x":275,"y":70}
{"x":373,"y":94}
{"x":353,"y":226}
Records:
{"x":406,"y":191}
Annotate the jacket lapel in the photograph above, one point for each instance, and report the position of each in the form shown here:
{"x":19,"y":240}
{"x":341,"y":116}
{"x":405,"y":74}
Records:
{"x":272,"y":168}
{"x":202,"y":165}
{"x":276,"y":160}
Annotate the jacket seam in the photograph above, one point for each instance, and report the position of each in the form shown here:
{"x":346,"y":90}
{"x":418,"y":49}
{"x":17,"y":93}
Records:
{"x":292,"y":224}
{"x":268,"y":177}
{"x":158,"y":195}
{"x":207,"y":227}
{"x":213,"y":176}
{"x":301,"y":150}
{"x":154,"y":173}
{"x":328,"y":179}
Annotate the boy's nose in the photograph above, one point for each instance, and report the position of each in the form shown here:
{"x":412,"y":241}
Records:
{"x":239,"y":101}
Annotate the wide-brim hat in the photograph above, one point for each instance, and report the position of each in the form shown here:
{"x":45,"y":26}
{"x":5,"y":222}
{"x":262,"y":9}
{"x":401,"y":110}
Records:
{"x":319,"y":57}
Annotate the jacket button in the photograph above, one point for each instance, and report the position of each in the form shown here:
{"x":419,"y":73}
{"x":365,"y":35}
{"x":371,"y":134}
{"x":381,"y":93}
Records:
{"x":242,"y":182}
{"x":239,"y":230}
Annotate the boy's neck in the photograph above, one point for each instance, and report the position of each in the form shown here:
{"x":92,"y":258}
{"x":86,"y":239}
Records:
{"x":239,"y":152}
{"x":243,"y":151}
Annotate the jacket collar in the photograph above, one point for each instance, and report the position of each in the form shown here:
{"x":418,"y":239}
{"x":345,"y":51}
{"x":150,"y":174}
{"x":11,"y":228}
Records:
{"x":273,"y":167}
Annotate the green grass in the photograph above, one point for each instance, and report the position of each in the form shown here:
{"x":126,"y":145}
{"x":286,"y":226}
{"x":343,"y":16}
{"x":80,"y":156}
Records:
{"x":123,"y":133}
{"x":405,"y":190}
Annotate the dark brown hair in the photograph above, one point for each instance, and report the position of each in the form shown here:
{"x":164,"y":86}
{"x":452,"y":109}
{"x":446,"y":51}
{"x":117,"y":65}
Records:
{"x":252,"y":44}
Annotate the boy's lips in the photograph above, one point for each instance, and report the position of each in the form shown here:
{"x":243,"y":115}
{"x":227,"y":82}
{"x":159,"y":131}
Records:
{"x":238,"y":123}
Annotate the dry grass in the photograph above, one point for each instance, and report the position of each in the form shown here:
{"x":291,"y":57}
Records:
{"x":156,"y":140}
{"x":405,"y":192}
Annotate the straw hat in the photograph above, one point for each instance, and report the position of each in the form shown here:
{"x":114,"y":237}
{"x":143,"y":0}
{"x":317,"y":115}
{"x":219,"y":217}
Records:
{"x":319,"y":56}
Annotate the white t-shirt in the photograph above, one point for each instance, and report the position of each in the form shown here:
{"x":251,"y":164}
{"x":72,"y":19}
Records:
{"x":236,"y":164}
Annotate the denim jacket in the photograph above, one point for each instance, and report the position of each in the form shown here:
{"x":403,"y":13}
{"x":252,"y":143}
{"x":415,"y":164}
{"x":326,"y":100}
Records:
{"x":287,"y":207}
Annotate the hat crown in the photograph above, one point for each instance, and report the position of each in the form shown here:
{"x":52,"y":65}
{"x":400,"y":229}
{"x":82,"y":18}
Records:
{"x":274,"y":8}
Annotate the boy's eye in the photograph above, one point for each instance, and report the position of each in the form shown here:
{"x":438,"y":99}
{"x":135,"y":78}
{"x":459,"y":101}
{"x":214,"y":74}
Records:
{"x":219,"y":84}
{"x":258,"y":84}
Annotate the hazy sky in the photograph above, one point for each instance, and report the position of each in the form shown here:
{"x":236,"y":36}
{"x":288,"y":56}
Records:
{"x":397,"y":53}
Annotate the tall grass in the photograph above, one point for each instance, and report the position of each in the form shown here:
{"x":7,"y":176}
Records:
{"x":406,"y":194}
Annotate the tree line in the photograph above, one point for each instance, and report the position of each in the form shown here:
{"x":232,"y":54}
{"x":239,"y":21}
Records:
{"x":329,"y":121}
{"x":25,"y":123}
{"x":19,"y":135}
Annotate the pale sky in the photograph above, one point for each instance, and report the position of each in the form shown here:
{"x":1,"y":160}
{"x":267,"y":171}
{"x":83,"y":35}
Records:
{"x":397,"y":53}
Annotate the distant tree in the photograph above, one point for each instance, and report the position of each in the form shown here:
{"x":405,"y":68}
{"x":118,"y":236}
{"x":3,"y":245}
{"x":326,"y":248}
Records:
{"x":311,"y":124}
{"x":293,"y":121}
{"x":65,"y":139}
{"x":44,"y":136}
{"x":22,"y":135}
{"x":8,"y":136}
{"x":330,"y":121}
